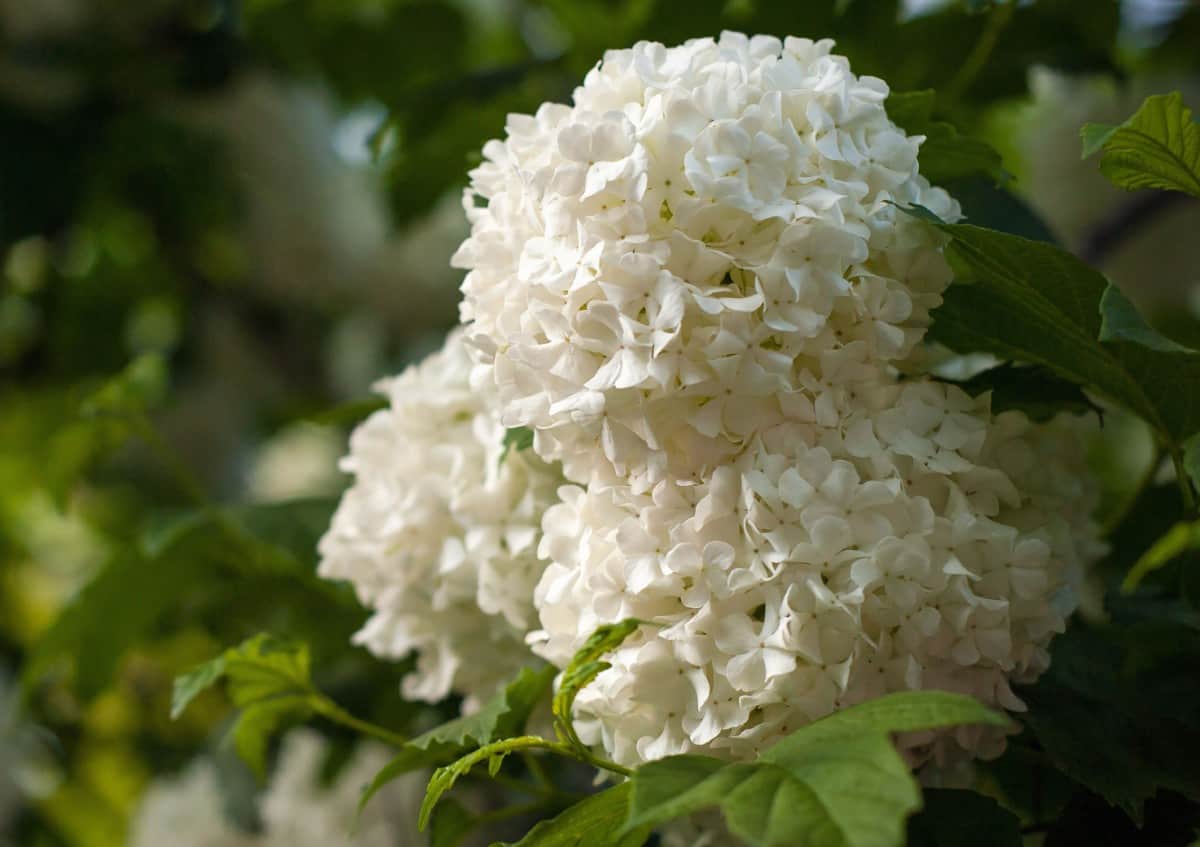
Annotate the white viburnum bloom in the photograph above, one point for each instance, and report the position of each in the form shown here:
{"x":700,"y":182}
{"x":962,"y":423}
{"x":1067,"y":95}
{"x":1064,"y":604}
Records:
{"x":917,"y":542}
{"x":298,"y":809}
{"x":438,"y":533}
{"x":699,"y":247}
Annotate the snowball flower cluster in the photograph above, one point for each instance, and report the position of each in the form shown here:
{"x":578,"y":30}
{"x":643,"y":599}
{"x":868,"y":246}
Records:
{"x":439,"y":531}
{"x":298,"y":809}
{"x":696,"y":287}
{"x":704,"y":244}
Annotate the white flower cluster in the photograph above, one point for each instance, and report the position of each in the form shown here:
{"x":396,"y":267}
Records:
{"x":921,"y":543}
{"x":439,"y":531}
{"x":298,"y":808}
{"x":705,"y":244}
{"x":695,"y":286}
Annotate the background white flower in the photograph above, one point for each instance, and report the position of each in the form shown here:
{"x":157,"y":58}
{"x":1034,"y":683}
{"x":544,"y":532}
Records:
{"x":439,"y":532}
{"x":298,"y":808}
{"x":695,"y":250}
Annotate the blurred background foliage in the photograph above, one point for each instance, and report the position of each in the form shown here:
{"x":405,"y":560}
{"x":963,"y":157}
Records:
{"x":221,"y":220}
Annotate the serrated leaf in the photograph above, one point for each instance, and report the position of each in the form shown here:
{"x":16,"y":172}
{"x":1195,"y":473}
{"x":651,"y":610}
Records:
{"x":955,"y":818}
{"x":838,"y":781}
{"x":443,"y":778}
{"x":1158,"y":147}
{"x":502,"y":716}
{"x":1179,"y":539}
{"x":268,"y":679}
{"x":1118,"y":710}
{"x":585,"y":666}
{"x":945,"y":154}
{"x":1031,"y":389}
{"x":592,"y":822}
{"x":1031,"y":302}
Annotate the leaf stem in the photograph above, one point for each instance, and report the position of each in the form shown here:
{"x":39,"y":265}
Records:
{"x":1184,"y":479}
{"x":325,"y":707}
{"x":997,"y":20}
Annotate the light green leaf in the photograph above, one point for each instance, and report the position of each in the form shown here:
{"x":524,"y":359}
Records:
{"x":1031,"y":302}
{"x":502,"y":716}
{"x":1158,"y":147}
{"x":137,"y":389}
{"x":838,"y":781}
{"x":1180,"y":538}
{"x":945,"y":154}
{"x":592,"y":822}
{"x":268,"y":679}
{"x":1121,"y":321}
{"x":443,"y":778}
{"x":585,"y":666}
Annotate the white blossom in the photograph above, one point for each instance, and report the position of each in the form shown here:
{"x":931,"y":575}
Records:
{"x":919,"y":542}
{"x":297,"y":809}
{"x":693,"y":251}
{"x":438,"y":533}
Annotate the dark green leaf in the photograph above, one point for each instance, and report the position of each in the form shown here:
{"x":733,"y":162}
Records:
{"x":1158,"y":147}
{"x":1031,"y":302}
{"x":945,"y":154}
{"x":838,"y":781}
{"x":1121,"y":321}
{"x":592,"y":822}
{"x":962,"y":819}
{"x":1034,"y":390}
{"x":502,"y":716}
{"x":450,"y":824}
{"x":1118,"y":711}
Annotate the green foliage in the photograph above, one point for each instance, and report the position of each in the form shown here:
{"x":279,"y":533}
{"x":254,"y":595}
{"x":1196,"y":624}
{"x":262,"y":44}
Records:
{"x":1118,"y":711}
{"x":956,"y":818}
{"x":946,"y":155}
{"x":1034,"y":390}
{"x":1180,"y":538}
{"x":1032,"y":302}
{"x":585,"y":666}
{"x":268,"y":680}
{"x":501,"y":717}
{"x":838,"y":781}
{"x":518,"y":438}
{"x":1158,"y":147}
{"x":592,"y":822}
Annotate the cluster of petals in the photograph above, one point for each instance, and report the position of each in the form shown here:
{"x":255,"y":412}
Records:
{"x":300,"y":807}
{"x":921,"y":543}
{"x":700,"y":246}
{"x":438,"y":533}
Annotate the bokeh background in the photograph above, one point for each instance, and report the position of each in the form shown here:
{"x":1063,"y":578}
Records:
{"x":222,"y":220}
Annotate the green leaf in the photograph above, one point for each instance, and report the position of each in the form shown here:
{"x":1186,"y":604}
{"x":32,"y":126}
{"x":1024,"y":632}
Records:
{"x":945,"y":154}
{"x":1118,"y":710}
{"x":585,"y":666}
{"x":269,"y":680}
{"x":838,"y":781}
{"x":450,"y":824}
{"x":137,"y":389}
{"x":1034,"y":390}
{"x":1031,"y":302}
{"x":502,"y":716}
{"x":443,"y":778}
{"x":591,"y":822}
{"x":1158,"y":147}
{"x":1121,"y":321}
{"x":1180,"y":538}
{"x":952,"y":818}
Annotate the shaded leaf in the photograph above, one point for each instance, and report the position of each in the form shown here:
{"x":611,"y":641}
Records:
{"x":592,"y":822}
{"x":1158,"y":147}
{"x":945,"y":154}
{"x":502,"y":716}
{"x":1180,"y":538}
{"x":450,"y":824}
{"x":1034,"y":390}
{"x":1121,"y":321}
{"x":952,"y":818}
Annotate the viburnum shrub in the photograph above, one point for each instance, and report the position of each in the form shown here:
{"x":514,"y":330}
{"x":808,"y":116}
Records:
{"x":695,"y":456}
